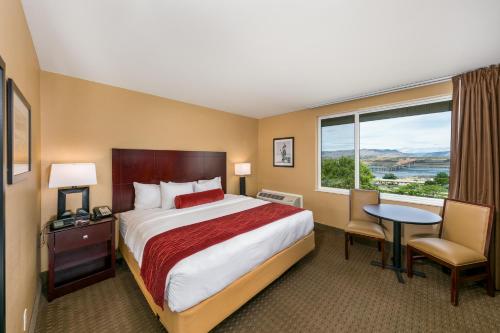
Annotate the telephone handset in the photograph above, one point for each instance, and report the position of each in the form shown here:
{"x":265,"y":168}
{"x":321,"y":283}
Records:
{"x":101,"y":212}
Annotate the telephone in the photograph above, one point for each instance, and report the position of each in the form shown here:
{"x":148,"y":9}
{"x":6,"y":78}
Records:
{"x":101,"y":212}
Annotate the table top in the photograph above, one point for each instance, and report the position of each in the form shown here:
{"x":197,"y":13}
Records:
{"x":402,"y":214}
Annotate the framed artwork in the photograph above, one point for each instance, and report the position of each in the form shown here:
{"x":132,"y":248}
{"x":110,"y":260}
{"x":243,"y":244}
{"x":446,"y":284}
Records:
{"x":18,"y":134}
{"x":2,"y":196}
{"x":283,"y":152}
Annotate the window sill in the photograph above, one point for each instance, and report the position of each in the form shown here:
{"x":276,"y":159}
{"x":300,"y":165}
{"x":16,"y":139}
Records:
{"x":333,"y":190}
{"x":391,"y":197}
{"x":412,"y":199}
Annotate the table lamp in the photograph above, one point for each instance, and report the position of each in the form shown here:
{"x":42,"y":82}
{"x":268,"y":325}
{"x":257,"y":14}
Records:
{"x":72,"y":178}
{"x":242,"y":170}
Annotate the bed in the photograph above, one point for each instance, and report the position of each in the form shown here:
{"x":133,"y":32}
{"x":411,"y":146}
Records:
{"x":206,"y":287}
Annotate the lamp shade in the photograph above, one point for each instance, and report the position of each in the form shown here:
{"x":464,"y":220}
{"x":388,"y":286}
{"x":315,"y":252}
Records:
{"x":72,"y":174}
{"x":242,"y":169}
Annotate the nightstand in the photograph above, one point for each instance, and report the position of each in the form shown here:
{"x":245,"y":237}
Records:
{"x":80,"y":256}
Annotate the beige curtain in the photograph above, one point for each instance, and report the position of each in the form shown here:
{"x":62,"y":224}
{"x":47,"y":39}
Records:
{"x":475,"y":144}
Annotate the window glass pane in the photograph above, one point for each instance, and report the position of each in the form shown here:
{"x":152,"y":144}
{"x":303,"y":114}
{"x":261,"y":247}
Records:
{"x":337,"y":152}
{"x":407,"y":154}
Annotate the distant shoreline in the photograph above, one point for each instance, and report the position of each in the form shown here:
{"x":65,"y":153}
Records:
{"x":422,"y":172}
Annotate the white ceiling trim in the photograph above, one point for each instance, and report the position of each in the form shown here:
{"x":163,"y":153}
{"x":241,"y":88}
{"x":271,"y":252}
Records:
{"x":384,"y":91}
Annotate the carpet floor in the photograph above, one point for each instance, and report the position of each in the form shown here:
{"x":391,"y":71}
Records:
{"x":321,"y":293}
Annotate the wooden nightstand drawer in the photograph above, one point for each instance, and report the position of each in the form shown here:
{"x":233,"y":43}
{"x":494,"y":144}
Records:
{"x":80,"y":237}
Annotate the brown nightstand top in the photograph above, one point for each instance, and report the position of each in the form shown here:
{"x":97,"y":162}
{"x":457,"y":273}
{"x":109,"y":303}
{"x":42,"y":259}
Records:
{"x":83,"y":225}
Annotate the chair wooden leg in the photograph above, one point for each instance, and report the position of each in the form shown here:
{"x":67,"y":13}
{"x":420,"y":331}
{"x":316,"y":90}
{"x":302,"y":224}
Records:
{"x":379,"y":246}
{"x":409,"y":261}
{"x":350,"y":240}
{"x":382,"y":250}
{"x":490,"y":287}
{"x":454,"y":286}
{"x":346,"y":246}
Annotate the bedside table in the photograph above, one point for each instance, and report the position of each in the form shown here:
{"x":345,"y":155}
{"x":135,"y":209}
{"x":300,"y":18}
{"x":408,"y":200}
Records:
{"x":80,"y":256}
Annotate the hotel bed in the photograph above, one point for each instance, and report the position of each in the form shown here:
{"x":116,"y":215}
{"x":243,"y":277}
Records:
{"x":204,"y":288}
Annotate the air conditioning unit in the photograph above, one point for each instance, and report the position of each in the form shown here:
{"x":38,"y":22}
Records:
{"x":281,"y":197}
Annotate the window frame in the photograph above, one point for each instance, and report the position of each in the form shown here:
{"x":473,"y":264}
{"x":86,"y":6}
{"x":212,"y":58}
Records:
{"x":357,"y":113}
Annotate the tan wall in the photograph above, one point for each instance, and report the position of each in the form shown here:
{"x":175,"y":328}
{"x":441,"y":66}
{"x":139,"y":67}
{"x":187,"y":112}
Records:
{"x":328,"y":208}
{"x":22,"y":203}
{"x":82,"y":121}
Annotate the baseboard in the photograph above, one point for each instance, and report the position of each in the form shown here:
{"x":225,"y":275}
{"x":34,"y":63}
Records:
{"x":36,"y":305}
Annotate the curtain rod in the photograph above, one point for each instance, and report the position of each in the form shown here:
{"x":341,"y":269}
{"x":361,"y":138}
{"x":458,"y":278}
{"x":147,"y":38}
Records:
{"x":384,"y":91}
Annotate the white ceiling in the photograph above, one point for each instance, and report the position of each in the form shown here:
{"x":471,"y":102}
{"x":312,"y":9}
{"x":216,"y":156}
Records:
{"x":263,"y":57}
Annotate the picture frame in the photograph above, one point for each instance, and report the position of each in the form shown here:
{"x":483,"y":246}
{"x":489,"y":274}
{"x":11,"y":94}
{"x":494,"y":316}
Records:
{"x":18,"y":134}
{"x":2,"y":200}
{"x":284,"y":152}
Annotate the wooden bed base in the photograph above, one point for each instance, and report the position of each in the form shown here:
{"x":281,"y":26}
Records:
{"x":207,"y":314}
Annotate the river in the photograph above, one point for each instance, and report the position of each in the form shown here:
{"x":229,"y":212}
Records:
{"x":416,"y":171}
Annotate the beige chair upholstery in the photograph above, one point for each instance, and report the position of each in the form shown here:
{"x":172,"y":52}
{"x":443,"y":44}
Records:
{"x":361,"y":224}
{"x":364,"y":228}
{"x":452,"y":253}
{"x":360,"y":198}
{"x":466,"y":224}
{"x":463,"y":243}
{"x":463,"y":235}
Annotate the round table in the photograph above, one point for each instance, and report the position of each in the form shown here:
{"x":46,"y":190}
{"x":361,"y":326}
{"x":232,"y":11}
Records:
{"x":399,"y":214}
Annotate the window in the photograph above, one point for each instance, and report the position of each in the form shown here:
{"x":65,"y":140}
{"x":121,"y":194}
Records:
{"x":402,"y":150}
{"x":337,"y":152}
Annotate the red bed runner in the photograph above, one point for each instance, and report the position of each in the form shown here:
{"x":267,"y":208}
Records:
{"x":165,"y":250}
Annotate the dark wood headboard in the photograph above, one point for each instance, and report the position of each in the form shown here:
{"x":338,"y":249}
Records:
{"x":153,"y":166}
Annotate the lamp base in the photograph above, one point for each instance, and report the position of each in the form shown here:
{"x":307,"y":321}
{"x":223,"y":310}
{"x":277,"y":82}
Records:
{"x":61,"y":200}
{"x":243,"y":189}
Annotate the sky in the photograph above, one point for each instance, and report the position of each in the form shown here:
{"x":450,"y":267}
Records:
{"x":422,"y":133}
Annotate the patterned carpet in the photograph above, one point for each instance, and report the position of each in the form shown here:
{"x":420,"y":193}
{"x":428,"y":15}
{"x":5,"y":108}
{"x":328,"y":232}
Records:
{"x":322,"y":293}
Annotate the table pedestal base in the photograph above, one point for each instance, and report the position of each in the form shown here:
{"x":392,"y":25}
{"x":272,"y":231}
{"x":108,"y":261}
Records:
{"x":398,"y":270}
{"x":400,"y":215}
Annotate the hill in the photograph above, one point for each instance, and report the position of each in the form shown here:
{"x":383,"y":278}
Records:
{"x":387,"y":153}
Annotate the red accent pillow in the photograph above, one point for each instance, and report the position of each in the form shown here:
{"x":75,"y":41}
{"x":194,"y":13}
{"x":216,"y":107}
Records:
{"x":198,"y":198}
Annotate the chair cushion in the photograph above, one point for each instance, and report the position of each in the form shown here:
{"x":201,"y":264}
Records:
{"x":365,"y":228}
{"x":452,"y":253}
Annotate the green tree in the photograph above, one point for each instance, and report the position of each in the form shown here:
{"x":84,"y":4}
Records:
{"x":390,"y":176}
{"x":442,"y":178}
{"x":423,"y":190}
{"x":366,"y":177}
{"x":339,"y":173}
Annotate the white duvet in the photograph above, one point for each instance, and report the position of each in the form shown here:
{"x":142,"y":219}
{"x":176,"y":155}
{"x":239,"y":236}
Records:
{"x":205,"y":273}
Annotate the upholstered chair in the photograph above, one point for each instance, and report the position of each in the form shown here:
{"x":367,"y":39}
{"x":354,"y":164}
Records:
{"x":463,"y":244}
{"x":361,"y":224}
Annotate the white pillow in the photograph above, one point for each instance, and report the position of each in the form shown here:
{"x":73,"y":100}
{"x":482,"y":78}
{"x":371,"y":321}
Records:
{"x":170,"y":190}
{"x":206,"y":185}
{"x":209,"y":180}
{"x":147,"y":196}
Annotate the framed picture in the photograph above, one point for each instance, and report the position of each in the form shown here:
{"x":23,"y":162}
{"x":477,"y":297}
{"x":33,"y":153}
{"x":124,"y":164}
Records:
{"x":283,"y":152}
{"x":2,"y":196}
{"x":18,"y":134}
